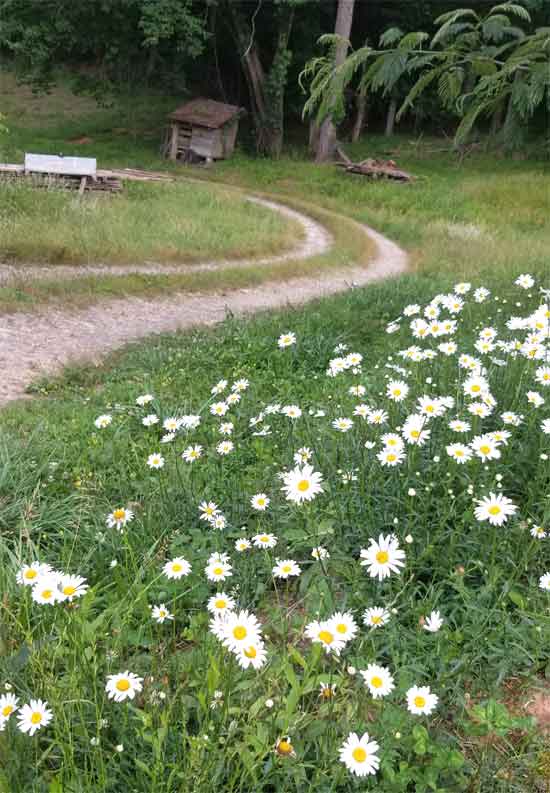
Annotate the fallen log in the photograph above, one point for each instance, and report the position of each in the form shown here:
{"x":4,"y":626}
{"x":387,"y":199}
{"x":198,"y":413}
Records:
{"x":375,"y":169}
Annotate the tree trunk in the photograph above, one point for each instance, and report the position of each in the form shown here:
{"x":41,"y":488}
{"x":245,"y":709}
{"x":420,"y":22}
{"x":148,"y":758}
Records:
{"x":390,"y":118}
{"x":267,"y":91}
{"x":327,"y":133}
{"x":361,"y":116}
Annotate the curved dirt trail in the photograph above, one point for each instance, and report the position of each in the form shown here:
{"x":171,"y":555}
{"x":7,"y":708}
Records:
{"x":316,"y":241}
{"x":41,"y":343}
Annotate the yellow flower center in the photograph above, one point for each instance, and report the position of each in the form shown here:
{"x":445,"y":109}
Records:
{"x":286,"y":568}
{"x":251,"y":652}
{"x":415,"y":434}
{"x":264,"y":538}
{"x":459,"y":453}
{"x":382,"y":557}
{"x":303,"y":485}
{"x":176,"y":567}
{"x":47,"y":593}
{"x":284,"y":747}
{"x":359,"y":754}
{"x":494,"y":510}
{"x":326,"y":637}
{"x":485,"y":449}
{"x":69,"y":590}
{"x":119,"y":514}
{"x":218,"y":571}
{"x":391,"y":458}
{"x":476,"y":388}
{"x":36,"y":718}
{"x":30,"y":574}
{"x":7,"y":710}
{"x":376,"y":682}
{"x":162,"y":613}
{"x":123,"y":684}
{"x":420,"y":702}
{"x":220,"y":603}
{"x":239,"y":632}
{"x":376,"y":620}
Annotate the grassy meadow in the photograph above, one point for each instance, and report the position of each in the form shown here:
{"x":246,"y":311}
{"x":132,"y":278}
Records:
{"x":276,"y":715}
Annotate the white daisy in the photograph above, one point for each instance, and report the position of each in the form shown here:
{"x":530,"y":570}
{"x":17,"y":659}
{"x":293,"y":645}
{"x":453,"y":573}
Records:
{"x":376,"y":617}
{"x":384,"y":557}
{"x":103,"y":421}
{"x":285,"y":568}
{"x":192,"y":453}
{"x":176,"y":568}
{"x":265,"y":540}
{"x":124,"y":685}
{"x":34,"y":716}
{"x":496,"y":509}
{"x":378,"y":680}
{"x":260,"y":502}
{"x":433,"y":622}
{"x":161,"y":613}
{"x":286,"y":340}
{"x":119,"y":517}
{"x":302,"y":484}
{"x":359,"y":755}
{"x":420,"y":700}
{"x":155,"y":460}
{"x":220,"y":604}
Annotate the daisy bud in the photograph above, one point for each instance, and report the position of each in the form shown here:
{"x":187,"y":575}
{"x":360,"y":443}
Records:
{"x":351,"y":670}
{"x":269,"y":703}
{"x":409,"y":539}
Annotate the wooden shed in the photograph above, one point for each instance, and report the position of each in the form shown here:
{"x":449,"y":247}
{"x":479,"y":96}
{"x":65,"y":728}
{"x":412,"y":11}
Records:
{"x":203,"y":127}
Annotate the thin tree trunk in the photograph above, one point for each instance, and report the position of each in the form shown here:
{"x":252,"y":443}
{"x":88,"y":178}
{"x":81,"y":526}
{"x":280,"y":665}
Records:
{"x":327,"y":134}
{"x":390,"y":118}
{"x":360,"y":117}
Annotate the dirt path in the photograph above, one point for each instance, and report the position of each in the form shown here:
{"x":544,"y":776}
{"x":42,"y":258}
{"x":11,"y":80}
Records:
{"x":316,"y":240}
{"x":41,"y":343}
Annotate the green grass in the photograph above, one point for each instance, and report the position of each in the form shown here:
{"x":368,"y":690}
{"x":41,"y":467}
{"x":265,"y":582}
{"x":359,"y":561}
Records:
{"x":61,"y":477}
{"x":149,"y":223}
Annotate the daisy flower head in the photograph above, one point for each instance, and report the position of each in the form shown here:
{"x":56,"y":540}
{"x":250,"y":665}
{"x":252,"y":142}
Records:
{"x":495,"y":508}
{"x":525,"y":281}
{"x":376,"y":617}
{"x":72,"y":586}
{"x":302,"y":484}
{"x":342,"y":424}
{"x":344,"y":625}
{"x":8,"y":705}
{"x":303,"y":455}
{"x":161,"y":613}
{"x":286,"y":568}
{"x":225,"y":447}
{"x":357,"y":390}
{"x":103,"y":421}
{"x":284,"y":747}
{"x":233,"y":398}
{"x":384,"y":557}
{"x":192,"y":453}
{"x":485,"y":447}
{"x":119,"y":517}
{"x":459,"y":452}
{"x":534,"y":398}
{"x":320,"y":553}
{"x":462,"y":288}
{"x":433,"y":622}
{"x":240,"y":385}
{"x":538,"y":532}
{"x":325,"y":634}
{"x":378,"y":680}
{"x":359,"y":755}
{"x":226,"y":428}
{"x":34,"y":716}
{"x":390,"y":457}
{"x":260,"y":502}
{"x":176,"y":568}
{"x":545,"y":426}
{"x":208,"y":509}
{"x":124,"y":685}
{"x":171,"y":424}
{"x":240,"y":629}
{"x":29,"y":574}
{"x":220,"y":386}
{"x":420,"y":700}
{"x":327,"y":690}
{"x":252,"y":654}
{"x":144,"y":399}
{"x":265,"y":540}
{"x":218,"y":570}
{"x":414,"y":430}
{"x":286,"y":340}
{"x":242,"y":544}
{"x":220,"y":604}
{"x":544,"y":582}
{"x":542,"y":375}
{"x":457,"y":425}
{"x":219,"y":408}
{"x":291,"y":411}
{"x":397,"y":390}
{"x":46,"y":591}
{"x":150,"y":420}
{"x":155,"y":460}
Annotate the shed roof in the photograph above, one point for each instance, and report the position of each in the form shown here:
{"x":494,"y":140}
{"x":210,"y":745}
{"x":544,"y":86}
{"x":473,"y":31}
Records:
{"x":206,"y":113}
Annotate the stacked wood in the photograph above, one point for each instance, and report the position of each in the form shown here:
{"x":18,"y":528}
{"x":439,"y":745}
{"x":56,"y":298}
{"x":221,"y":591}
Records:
{"x":109,"y":181}
{"x":372,"y":168}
